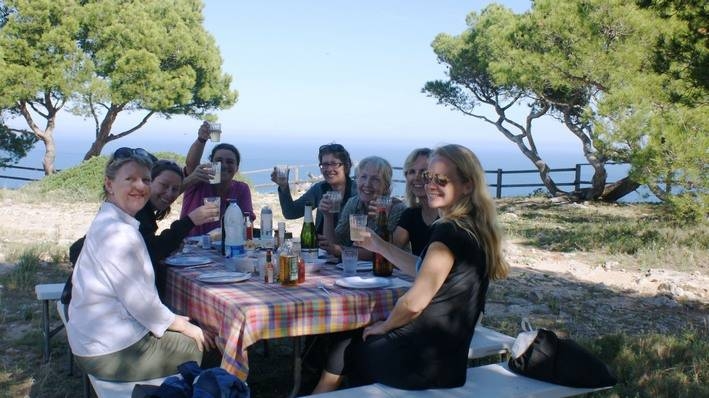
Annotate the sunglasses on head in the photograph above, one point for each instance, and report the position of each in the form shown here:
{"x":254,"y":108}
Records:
{"x":125,"y":152}
{"x":438,"y":179}
{"x":331,"y":148}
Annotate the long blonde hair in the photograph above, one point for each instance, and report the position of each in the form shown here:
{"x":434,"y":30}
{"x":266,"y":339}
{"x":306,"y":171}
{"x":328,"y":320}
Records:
{"x":475,"y":213}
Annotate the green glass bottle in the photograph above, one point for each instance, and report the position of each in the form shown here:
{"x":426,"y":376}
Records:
{"x":308,"y":236}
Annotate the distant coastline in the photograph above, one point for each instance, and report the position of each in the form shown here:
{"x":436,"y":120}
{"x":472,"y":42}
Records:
{"x":257,"y":154}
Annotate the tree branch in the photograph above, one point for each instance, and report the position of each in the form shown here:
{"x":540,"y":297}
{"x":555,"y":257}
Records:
{"x":134,"y":128}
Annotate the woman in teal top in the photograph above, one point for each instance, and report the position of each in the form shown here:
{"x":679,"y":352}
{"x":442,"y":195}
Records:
{"x":335,"y":165}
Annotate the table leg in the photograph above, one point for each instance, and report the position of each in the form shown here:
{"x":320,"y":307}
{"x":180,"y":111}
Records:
{"x":45,"y":329}
{"x":297,"y":366}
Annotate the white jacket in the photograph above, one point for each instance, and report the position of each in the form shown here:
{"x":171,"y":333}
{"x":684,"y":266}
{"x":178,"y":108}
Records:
{"x":114,"y":302}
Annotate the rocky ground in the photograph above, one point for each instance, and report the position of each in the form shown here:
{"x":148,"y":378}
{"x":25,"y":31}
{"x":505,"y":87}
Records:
{"x":552,"y":289}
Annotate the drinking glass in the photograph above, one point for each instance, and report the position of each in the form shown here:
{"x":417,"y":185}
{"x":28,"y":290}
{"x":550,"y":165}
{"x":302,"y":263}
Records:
{"x":217,"y":177}
{"x":349,"y":260}
{"x":358,"y":226}
{"x":335,"y":199}
{"x":215,"y":131}
{"x":216,"y":201}
{"x":282,"y":172}
{"x":383,"y":202}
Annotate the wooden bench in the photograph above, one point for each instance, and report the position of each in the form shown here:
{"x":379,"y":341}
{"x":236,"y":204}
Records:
{"x":489,"y":381}
{"x":113,"y":389}
{"x":46,"y":293}
{"x":106,"y":389}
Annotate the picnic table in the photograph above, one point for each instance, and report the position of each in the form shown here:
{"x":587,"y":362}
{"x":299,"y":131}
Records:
{"x":243,"y":313}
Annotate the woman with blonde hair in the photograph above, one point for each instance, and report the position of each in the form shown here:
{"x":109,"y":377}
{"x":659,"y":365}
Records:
{"x":373,"y":177}
{"x":424,"y":341}
{"x":414,"y":225}
{"x":118,"y":328}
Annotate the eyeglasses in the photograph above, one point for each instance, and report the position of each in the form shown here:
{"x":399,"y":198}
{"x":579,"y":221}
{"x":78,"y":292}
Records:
{"x":331,"y":148}
{"x":438,"y":179}
{"x":332,"y":165}
{"x":125,"y":152}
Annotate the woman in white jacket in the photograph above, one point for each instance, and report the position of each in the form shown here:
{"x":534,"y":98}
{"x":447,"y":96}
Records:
{"x":118,"y":328}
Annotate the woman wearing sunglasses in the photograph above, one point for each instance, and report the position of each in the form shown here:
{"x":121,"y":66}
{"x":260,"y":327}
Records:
{"x":335,"y":165}
{"x":415,"y":222}
{"x":118,"y":328}
{"x":199,"y":187}
{"x":424,"y":341}
{"x":165,"y":187}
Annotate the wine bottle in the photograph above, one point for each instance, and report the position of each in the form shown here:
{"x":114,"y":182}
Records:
{"x":382,"y":266}
{"x":308,"y":236}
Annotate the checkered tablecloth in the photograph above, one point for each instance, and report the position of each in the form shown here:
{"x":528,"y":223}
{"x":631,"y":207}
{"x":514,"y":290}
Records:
{"x":245,"y":312}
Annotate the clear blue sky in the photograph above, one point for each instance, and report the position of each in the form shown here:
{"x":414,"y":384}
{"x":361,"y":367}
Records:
{"x":326,"y":69}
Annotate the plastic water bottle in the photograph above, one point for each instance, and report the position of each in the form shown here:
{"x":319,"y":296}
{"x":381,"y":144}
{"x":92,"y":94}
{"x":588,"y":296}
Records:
{"x":234,"y":230}
{"x":266,"y":223}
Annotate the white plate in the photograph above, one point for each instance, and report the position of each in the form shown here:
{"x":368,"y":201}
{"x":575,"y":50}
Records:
{"x":362,"y":266}
{"x":359,"y":282}
{"x":186,"y":261}
{"x":223,"y":277}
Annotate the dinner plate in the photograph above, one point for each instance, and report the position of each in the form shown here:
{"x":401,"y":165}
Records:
{"x":186,"y":261}
{"x":362,"y":266}
{"x":223,"y":277}
{"x":360,"y":282}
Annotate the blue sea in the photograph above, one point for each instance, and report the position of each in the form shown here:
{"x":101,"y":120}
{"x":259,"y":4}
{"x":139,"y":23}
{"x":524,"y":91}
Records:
{"x":263,"y":151}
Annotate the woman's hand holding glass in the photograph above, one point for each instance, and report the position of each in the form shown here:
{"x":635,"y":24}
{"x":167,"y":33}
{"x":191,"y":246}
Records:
{"x":325,"y":205}
{"x":279,"y":175}
{"x":378,"y":203}
{"x":330,"y":202}
{"x":205,"y":213}
{"x":203,"y":173}
{"x":370,"y":241}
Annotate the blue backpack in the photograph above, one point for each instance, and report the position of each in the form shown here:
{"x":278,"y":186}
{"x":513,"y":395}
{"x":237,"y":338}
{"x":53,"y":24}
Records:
{"x":197,"y":383}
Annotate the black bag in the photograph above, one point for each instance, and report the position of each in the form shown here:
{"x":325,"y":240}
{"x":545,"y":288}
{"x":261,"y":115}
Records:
{"x":74,"y":252}
{"x":561,"y":361}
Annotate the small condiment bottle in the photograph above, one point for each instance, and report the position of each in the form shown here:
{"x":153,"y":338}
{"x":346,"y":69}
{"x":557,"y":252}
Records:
{"x":268,"y":269}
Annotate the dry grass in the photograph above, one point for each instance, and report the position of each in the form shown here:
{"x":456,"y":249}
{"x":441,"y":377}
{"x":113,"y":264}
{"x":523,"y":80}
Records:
{"x":636,"y":236}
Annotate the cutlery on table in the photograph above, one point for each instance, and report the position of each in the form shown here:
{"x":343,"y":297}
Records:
{"x":321,"y":286}
{"x":200,"y":266}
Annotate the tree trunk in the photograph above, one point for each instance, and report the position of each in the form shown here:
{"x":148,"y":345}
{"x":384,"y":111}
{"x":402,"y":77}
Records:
{"x":46,"y":136}
{"x":103,"y":132}
{"x":583,"y":133}
{"x":613,"y":192}
{"x":50,"y":154}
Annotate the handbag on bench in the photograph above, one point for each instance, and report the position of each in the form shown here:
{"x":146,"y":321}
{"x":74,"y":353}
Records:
{"x":542,"y":355}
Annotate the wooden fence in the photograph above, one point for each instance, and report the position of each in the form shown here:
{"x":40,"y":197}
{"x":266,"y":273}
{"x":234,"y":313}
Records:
{"x":296,"y":178}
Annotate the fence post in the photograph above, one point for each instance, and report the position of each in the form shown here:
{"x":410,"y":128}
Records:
{"x":577,"y":177}
{"x":498,"y":193}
